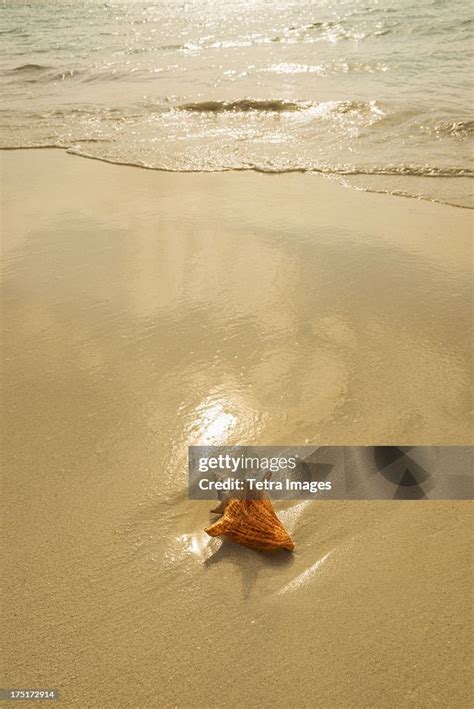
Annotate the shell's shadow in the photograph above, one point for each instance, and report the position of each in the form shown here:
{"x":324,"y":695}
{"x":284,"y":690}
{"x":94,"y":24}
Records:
{"x":249,"y":562}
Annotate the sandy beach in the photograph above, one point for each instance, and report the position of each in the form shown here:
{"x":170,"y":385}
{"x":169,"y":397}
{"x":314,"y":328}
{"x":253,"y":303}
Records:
{"x":145,"y":311}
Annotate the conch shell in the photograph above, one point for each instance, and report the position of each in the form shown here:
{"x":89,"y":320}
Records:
{"x":252,"y":523}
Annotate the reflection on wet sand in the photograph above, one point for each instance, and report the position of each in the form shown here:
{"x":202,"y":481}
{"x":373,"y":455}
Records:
{"x":144,"y":312}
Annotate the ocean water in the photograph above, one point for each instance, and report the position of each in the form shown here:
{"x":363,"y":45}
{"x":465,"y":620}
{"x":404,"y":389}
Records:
{"x":376,"y":94}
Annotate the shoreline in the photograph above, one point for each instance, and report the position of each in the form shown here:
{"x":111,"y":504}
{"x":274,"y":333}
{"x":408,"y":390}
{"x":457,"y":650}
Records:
{"x":333,"y":176}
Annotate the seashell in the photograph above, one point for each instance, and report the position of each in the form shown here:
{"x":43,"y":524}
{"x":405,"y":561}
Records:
{"x":252,"y":523}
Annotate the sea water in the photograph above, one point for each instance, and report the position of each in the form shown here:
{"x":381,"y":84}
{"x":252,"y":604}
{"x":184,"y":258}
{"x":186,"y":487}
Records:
{"x":377,"y":94}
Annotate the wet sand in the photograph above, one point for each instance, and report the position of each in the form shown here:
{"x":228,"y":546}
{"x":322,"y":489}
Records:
{"x":146,"y":311}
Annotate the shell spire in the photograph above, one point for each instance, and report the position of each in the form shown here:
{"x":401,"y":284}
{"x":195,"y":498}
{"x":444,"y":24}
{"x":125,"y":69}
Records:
{"x":252,"y":523}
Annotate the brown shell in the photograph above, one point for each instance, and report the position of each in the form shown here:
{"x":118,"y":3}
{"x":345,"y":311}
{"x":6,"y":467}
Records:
{"x":252,"y":523}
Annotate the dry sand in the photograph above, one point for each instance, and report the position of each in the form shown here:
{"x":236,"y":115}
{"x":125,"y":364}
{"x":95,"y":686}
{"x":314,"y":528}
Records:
{"x":145,"y":311}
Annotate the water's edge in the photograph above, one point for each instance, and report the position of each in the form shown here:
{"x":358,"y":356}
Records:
{"x":250,"y":168}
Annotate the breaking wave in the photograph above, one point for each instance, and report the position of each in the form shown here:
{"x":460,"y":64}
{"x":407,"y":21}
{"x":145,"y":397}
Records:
{"x":244,"y":105}
{"x":457,"y":129}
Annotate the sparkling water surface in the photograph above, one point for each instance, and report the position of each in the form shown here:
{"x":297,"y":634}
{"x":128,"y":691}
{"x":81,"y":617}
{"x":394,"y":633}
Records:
{"x":377,"y":94}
